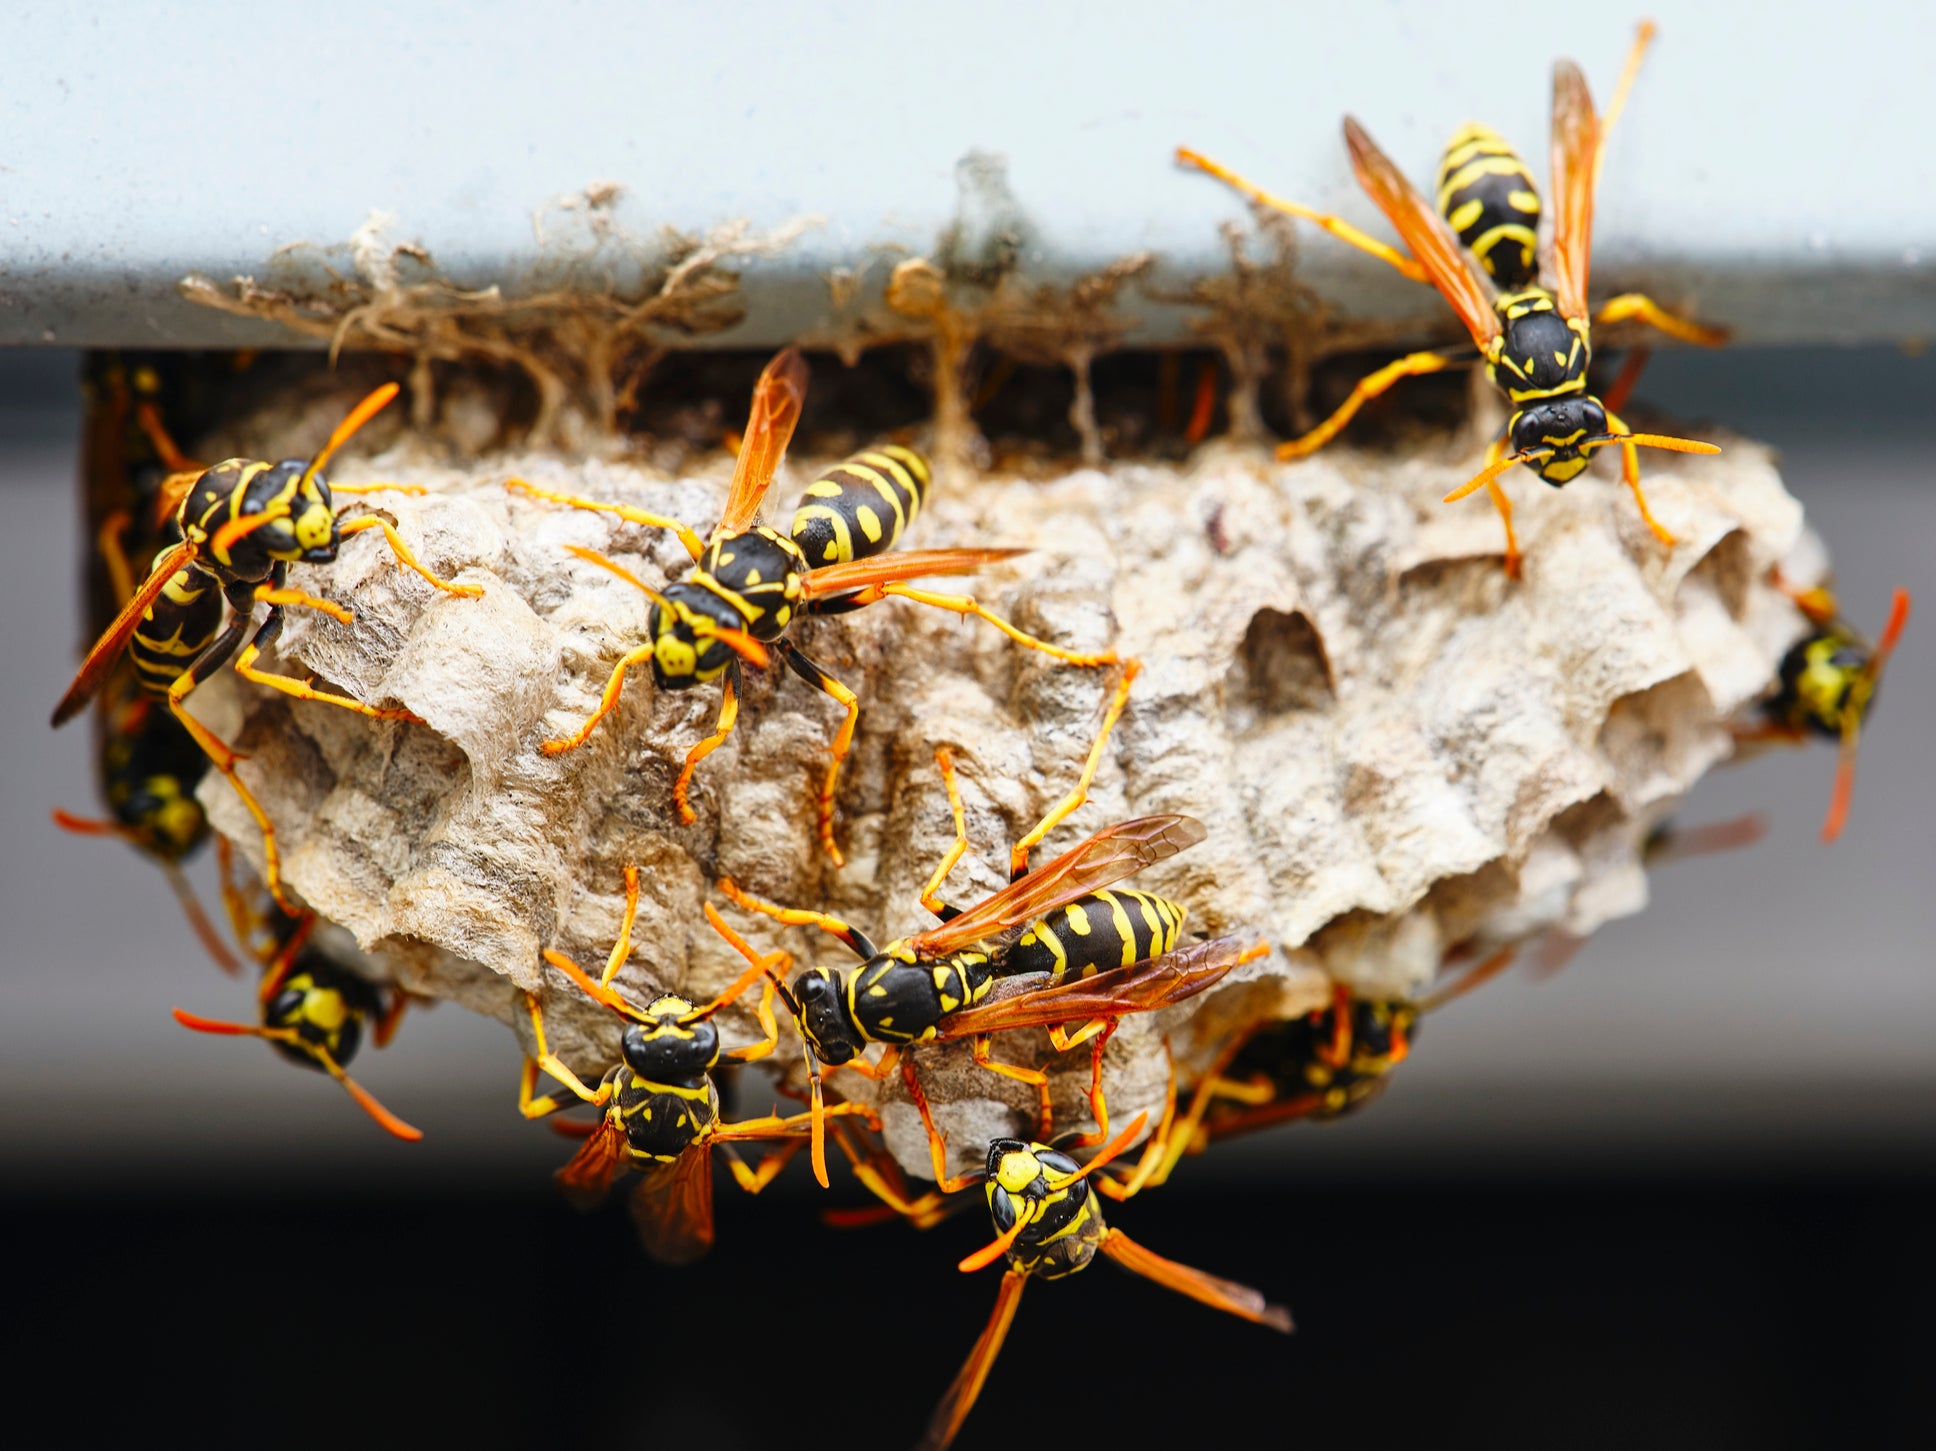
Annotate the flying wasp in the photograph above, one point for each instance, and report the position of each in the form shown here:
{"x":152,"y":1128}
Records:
{"x":750,"y":583}
{"x":1049,"y":1225}
{"x":1828,"y":683}
{"x":660,"y":1106}
{"x":314,"y":1013}
{"x":242,"y":524}
{"x":1528,"y":315}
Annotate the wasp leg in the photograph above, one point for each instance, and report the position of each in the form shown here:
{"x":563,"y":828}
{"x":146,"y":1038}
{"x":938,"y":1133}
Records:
{"x":820,"y":680}
{"x":115,"y":557}
{"x":1614,"y":398}
{"x":855,"y":940}
{"x":931,"y":893}
{"x":1413,"y":365}
{"x":219,"y":753}
{"x":728,"y":718}
{"x":613,"y":685}
{"x":623,"y":511}
{"x":622,"y":944}
{"x":937,"y":1145}
{"x":881,"y":1177}
{"x":1079,"y":793}
{"x":965,"y":605}
{"x":1637,"y":306}
{"x":1495,"y":451}
{"x":1205,"y":408}
{"x":405,"y":559}
{"x":1035,"y":1077}
{"x":771,"y":1163}
{"x":276,"y":594}
{"x":245,"y":666}
{"x":532,"y":1107}
{"x":1630,"y":473}
{"x":1155,"y":1150}
{"x":1336,"y":226}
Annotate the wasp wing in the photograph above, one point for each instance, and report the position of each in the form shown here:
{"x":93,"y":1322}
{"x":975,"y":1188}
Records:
{"x":777,"y":399}
{"x":960,"y":1398}
{"x":107,"y":649}
{"x":1142,"y":987}
{"x":893,"y":568}
{"x":1211,"y":1290}
{"x":673,"y":1207}
{"x":1447,"y":265}
{"x":1110,"y":855}
{"x":587,"y":1179}
{"x":1576,"y":144}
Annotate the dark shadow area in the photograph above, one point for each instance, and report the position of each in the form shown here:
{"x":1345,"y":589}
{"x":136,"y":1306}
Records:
{"x":1608,"y":1312}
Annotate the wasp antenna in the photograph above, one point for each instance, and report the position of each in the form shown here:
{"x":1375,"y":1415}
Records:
{"x":358,"y":416}
{"x":989,"y":1253}
{"x":1652,"y":440}
{"x":1492,"y":471}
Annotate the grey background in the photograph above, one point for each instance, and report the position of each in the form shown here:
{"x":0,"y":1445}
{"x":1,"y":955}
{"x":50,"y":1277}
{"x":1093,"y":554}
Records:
{"x":1773,"y":1007}
{"x":1768,"y":174}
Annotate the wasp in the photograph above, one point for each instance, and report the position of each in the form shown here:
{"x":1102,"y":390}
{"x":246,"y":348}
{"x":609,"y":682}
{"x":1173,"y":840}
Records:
{"x":1049,"y":1225}
{"x":1527,"y":315}
{"x":947,"y":983}
{"x":314,"y":1013}
{"x":1828,"y":682}
{"x":242,"y":523}
{"x":751,"y":583}
{"x":1322,"y":1065}
{"x":147,"y":764}
{"x":660,"y":1105}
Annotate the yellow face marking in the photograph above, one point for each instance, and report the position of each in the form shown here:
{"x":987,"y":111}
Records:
{"x":315,"y":526}
{"x":325,"y":1008}
{"x":1559,"y":471}
{"x":1016,"y":1171}
{"x":674,"y":656}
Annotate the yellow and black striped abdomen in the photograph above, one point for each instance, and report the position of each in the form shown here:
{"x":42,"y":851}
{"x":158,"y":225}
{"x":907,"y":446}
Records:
{"x":1488,"y":197}
{"x":176,"y":628}
{"x":1095,"y":933}
{"x":860,"y":507}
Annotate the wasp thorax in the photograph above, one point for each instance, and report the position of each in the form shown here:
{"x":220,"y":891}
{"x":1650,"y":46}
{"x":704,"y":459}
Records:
{"x":669,"y":1051}
{"x":824,"y":1022}
{"x":763,"y":568}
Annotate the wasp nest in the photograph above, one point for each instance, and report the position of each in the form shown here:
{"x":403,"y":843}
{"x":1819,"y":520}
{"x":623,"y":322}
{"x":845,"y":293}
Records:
{"x":1395,"y":749}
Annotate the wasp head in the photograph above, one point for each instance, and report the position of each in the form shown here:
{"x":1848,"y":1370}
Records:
{"x":668,"y":1049}
{"x":824,"y":1021}
{"x":686,"y":650}
{"x":1827,"y":682}
{"x":324,"y":1008}
{"x":1555,"y":437}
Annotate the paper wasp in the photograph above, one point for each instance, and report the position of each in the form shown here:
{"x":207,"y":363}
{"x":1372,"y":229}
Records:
{"x":1049,"y":1226}
{"x":147,"y":764}
{"x":1828,"y":682}
{"x":660,"y":1106}
{"x":1322,"y":1065}
{"x":750,"y":583}
{"x":946,"y":984}
{"x":314,"y":1012}
{"x":242,"y":524}
{"x":1528,"y":316}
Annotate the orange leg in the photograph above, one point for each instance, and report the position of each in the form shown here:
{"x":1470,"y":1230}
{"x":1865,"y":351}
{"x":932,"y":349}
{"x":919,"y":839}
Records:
{"x":1630,"y":472}
{"x":405,"y":559}
{"x":1368,"y":387}
{"x":728,"y":718}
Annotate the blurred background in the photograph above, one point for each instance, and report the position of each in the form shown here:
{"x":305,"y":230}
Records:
{"x":1678,"y":1194}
